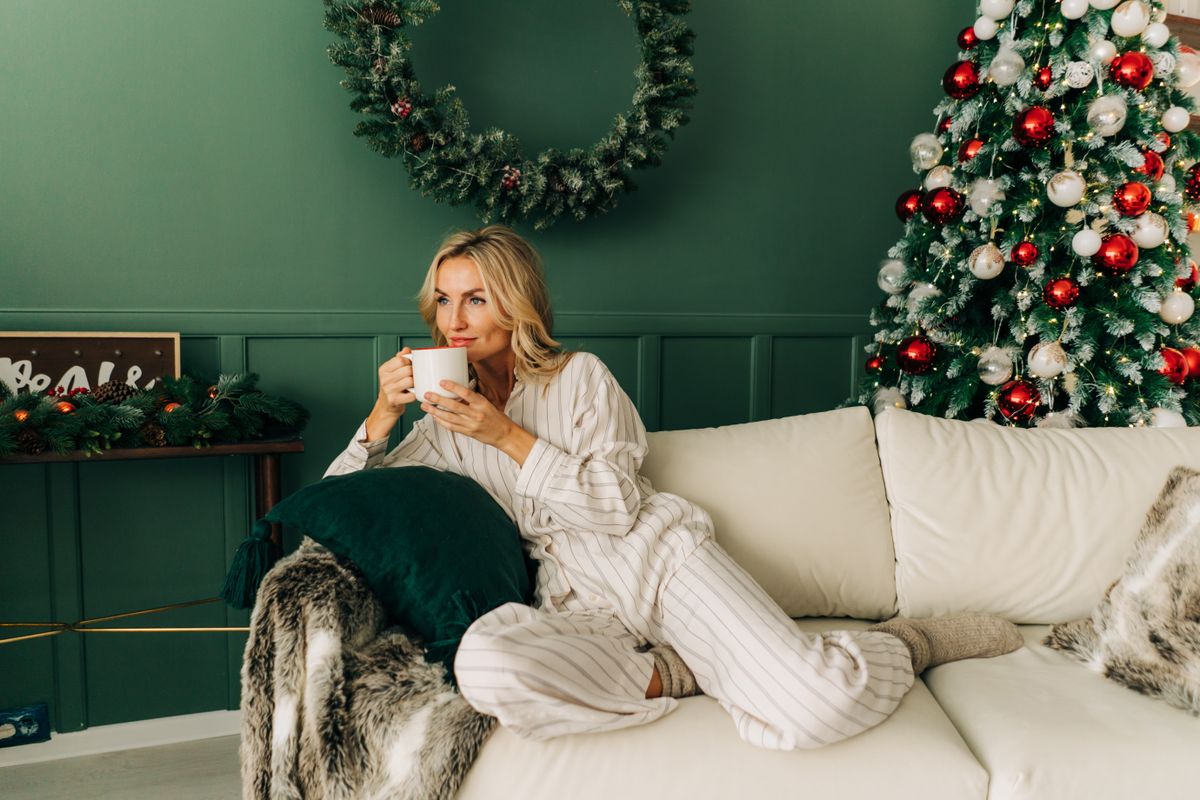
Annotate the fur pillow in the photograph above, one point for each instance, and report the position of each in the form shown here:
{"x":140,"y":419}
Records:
{"x":1145,"y":633}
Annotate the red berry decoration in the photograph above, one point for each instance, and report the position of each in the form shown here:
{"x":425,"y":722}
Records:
{"x":1018,"y":400}
{"x":169,"y":407}
{"x":1034,"y":126}
{"x":1117,"y":254}
{"x":961,"y":80}
{"x":1192,"y":187}
{"x":1025,"y":254}
{"x":510,"y":177}
{"x":1043,"y":78}
{"x":402,"y":107}
{"x":945,"y":124}
{"x":1189,"y":281}
{"x":1165,"y":138}
{"x":915,"y":355}
{"x":942,"y":206}
{"x":908,"y":204}
{"x":874,"y":364}
{"x":1132,"y":69}
{"x":969,"y":149}
{"x":1132,"y":199}
{"x":1061,"y":293}
{"x":1175,"y":365}
{"x":1152,"y":167}
{"x":967,"y":38}
{"x":64,"y":407}
{"x":1192,"y":356}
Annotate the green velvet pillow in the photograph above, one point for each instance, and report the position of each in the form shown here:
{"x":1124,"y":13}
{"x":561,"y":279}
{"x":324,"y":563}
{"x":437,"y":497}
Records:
{"x":434,"y":546}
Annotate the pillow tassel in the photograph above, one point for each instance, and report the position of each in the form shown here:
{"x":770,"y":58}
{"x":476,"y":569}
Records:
{"x":253,"y":560}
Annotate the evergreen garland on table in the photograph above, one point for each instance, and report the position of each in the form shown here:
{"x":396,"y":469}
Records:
{"x":446,"y":160}
{"x":177,"y":412}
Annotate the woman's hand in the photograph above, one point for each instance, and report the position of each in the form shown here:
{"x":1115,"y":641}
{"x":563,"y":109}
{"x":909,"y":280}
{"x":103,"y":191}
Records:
{"x":396,"y":383}
{"x":471,"y":414}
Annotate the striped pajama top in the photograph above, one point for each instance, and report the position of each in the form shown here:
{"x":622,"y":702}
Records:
{"x":602,"y":537}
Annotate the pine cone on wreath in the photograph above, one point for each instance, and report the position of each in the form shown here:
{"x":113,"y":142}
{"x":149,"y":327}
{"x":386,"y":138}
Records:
{"x":382,"y":16}
{"x":153,"y":435}
{"x":113,"y":392}
{"x":418,"y":142}
{"x":29,"y":442}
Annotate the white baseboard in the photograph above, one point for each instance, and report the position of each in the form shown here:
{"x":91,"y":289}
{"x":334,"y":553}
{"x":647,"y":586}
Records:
{"x":125,"y":736}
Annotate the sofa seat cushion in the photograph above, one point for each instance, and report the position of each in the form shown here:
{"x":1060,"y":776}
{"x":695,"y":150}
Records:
{"x":798,"y":502}
{"x":1046,"y":727}
{"x":695,"y":752}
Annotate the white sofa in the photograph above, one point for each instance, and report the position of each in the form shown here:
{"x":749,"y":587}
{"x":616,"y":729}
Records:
{"x":845,"y":519}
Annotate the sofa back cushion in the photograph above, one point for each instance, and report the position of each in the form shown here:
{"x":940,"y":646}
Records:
{"x":798,"y":502}
{"x":1032,"y":525}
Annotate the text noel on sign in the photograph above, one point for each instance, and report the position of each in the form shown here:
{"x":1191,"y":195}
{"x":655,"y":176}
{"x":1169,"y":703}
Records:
{"x":38,"y":361}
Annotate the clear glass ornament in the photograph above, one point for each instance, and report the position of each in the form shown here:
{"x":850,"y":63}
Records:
{"x":995,"y":366}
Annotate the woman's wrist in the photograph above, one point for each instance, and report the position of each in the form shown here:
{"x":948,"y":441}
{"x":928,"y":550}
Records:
{"x":518,"y":443}
{"x":380,"y":423}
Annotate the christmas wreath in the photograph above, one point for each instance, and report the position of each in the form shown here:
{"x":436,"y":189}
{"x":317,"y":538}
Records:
{"x":179,"y":411}
{"x":445,"y":159}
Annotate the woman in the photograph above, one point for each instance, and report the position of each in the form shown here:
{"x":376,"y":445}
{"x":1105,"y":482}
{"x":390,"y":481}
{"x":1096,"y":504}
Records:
{"x":636,"y":603}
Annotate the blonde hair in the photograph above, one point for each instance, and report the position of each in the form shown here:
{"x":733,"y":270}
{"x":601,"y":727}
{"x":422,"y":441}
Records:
{"x":512,"y":275}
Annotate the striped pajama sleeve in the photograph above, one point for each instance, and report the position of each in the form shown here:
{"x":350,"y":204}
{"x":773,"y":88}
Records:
{"x":417,"y":449}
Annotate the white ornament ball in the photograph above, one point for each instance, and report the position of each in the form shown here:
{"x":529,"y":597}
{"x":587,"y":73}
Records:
{"x":1130,"y":18}
{"x":1104,"y":5}
{"x":1177,"y":308}
{"x":1079,"y":74}
{"x":984,"y":193}
{"x":1156,"y":34}
{"x":919,"y":293}
{"x":1047,"y":359}
{"x":996,"y":9}
{"x":1006,"y":67}
{"x":995,"y":366}
{"x":1165,"y":418}
{"x":1188,"y":68}
{"x":891,"y":276}
{"x":985,"y":28}
{"x":888,"y":397}
{"x":1167,"y":183}
{"x":1066,"y":188}
{"x":1175,"y":119}
{"x":1060,"y":419}
{"x":1106,"y":115}
{"x":1102,"y":50}
{"x":1086,"y":243}
{"x":1073,"y":9}
{"x":938,"y":177}
{"x":1150,"y":231}
{"x":986,"y":261}
{"x":925,"y":151}
{"x":1164,"y":62}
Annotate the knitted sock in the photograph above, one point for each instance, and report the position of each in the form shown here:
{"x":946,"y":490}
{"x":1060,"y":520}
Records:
{"x":938,"y":640}
{"x":677,"y":679}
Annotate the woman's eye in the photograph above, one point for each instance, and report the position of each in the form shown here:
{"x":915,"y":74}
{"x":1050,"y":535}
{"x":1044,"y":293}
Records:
{"x":480,"y":299}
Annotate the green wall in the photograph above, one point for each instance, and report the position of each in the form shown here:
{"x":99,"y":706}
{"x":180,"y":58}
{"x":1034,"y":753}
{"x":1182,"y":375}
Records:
{"x":188,"y":166}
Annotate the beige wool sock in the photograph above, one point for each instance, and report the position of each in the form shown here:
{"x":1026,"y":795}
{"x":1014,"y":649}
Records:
{"x":938,"y":640}
{"x":677,"y":678}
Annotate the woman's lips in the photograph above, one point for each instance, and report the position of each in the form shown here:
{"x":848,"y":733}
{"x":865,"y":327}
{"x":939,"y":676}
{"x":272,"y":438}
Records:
{"x":460,"y":342}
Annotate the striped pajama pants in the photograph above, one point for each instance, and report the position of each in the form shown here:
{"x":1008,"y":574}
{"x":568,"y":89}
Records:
{"x":545,"y":674}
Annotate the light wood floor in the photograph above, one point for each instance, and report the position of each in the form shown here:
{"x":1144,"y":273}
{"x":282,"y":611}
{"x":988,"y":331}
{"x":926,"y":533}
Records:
{"x":201,"y":770}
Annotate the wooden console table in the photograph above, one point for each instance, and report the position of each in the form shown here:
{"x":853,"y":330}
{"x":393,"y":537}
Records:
{"x":266,"y":454}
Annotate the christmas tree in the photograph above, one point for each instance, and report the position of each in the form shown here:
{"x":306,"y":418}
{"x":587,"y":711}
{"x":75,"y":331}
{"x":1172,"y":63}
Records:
{"x":1043,"y":276}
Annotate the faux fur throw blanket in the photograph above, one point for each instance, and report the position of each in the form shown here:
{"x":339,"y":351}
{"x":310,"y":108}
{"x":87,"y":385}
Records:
{"x":1145,"y":633}
{"x":334,"y":706}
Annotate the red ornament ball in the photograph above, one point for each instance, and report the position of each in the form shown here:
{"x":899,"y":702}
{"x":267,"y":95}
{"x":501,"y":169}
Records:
{"x":1061,"y":293}
{"x":1034,"y":126}
{"x":1018,"y":400}
{"x":1132,"y":69}
{"x":942,"y":206}
{"x":1192,"y":356}
{"x":967,"y":38}
{"x":908,"y":204}
{"x":21,"y":414}
{"x":169,"y":407}
{"x":874,"y":364}
{"x":945,"y":124}
{"x":1132,"y":199}
{"x":961,"y":81}
{"x":1152,"y":166}
{"x":1117,"y":254}
{"x":1189,"y":281}
{"x":1165,"y":138}
{"x":1043,"y":78}
{"x":1192,"y":187}
{"x":64,"y":407}
{"x":1175,"y":365}
{"x":915,"y":355}
{"x":1025,"y":254}
{"x":969,"y":149}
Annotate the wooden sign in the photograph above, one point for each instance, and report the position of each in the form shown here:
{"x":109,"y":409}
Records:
{"x":34,"y":361}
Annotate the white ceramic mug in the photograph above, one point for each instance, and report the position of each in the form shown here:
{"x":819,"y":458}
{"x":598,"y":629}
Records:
{"x":432,"y":365}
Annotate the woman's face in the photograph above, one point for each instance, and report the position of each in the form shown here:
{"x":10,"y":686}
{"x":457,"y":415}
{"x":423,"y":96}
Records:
{"x":463,"y":311}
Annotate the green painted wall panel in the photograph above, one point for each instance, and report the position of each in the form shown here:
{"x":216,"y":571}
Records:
{"x":809,"y":373}
{"x":200,"y":356}
{"x":619,"y":354}
{"x":705,"y":381}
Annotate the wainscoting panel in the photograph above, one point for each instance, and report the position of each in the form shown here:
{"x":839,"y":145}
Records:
{"x":809,"y":373}
{"x":706,"y":381}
